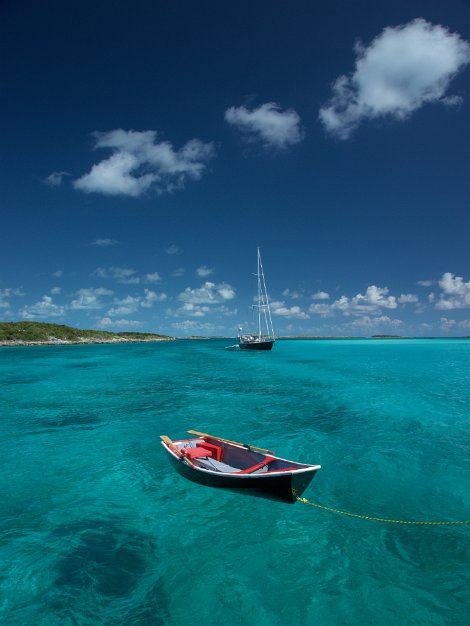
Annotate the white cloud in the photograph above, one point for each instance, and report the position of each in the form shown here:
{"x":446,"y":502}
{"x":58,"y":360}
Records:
{"x":267,"y":123}
{"x":456,"y":293}
{"x":55,"y":179}
{"x":55,"y":291}
{"x":6,"y":294}
{"x":404,"y":68}
{"x":44,"y":309}
{"x":172,"y":249}
{"x":195,"y":327}
{"x":324,"y":310}
{"x":208,"y":293}
{"x":106,"y":322}
{"x":58,"y":274}
{"x":204,"y":271}
{"x":104,"y":242}
{"x":89,"y":298}
{"x":374,"y":322}
{"x":447,"y":324}
{"x":279,"y":308}
{"x":131,"y":304}
{"x":372,"y":301}
{"x":139,"y":163}
{"x":126,"y":306}
{"x":151,"y":297}
{"x":123,"y":275}
{"x":201,"y":310}
{"x":407,"y":298}
{"x":295,"y":295}
{"x":321,"y":295}
{"x":193,"y":310}
{"x":425,"y":283}
{"x":152,"y":278}
{"x":179,"y":271}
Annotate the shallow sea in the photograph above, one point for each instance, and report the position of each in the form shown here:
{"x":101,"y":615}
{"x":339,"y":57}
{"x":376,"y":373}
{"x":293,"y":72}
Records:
{"x":95,"y":527}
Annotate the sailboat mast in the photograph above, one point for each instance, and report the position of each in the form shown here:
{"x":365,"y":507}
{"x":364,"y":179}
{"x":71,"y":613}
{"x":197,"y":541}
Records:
{"x":259,"y":294}
{"x":267,"y":316}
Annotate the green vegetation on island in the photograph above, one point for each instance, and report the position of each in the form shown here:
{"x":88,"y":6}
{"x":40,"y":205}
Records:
{"x":21,"y":333}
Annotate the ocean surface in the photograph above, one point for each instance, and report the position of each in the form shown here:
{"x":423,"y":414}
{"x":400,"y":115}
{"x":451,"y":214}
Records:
{"x":96,"y":528}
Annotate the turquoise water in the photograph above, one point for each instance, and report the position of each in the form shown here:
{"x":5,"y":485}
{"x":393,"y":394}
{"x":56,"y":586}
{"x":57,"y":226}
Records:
{"x":95,"y":528}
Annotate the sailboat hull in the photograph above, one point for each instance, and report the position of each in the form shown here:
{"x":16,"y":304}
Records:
{"x":256,"y":345}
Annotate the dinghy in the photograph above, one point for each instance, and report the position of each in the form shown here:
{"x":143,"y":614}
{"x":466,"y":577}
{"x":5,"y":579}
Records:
{"x":217,"y":462}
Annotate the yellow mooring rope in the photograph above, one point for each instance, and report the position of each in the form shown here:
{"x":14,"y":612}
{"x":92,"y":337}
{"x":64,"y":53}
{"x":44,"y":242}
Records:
{"x":374,"y":519}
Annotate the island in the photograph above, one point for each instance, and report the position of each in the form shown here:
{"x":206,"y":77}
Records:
{"x":43,"y":333}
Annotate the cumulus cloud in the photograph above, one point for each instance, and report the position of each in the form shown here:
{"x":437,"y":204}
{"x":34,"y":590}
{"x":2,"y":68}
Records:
{"x":425,"y":283}
{"x":172,"y":249}
{"x":375,"y":322}
{"x":104,"y":242}
{"x":289,"y":293}
{"x":208,"y":293}
{"x":123,"y":275}
{"x":6,"y":294}
{"x":268,"y":124}
{"x":196,"y":327}
{"x":125,"y":306}
{"x":90,"y":298}
{"x":188,"y":309}
{"x":153,"y":277}
{"x":150,"y":297}
{"x":43,"y":309}
{"x":455,"y":293}
{"x":372,"y":301}
{"x":204,"y":271}
{"x":404,"y":68}
{"x":293,"y":312}
{"x":107,"y":322}
{"x":140,"y":163}
{"x":56,"y":178}
{"x":131,"y":304}
{"x":407,"y":298}
{"x":321,"y":295}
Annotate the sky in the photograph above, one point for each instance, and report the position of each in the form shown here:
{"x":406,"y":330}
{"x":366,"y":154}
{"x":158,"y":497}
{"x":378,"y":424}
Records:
{"x":148,"y":148}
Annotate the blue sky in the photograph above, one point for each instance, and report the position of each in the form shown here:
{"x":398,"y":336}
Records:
{"x":148,"y":148}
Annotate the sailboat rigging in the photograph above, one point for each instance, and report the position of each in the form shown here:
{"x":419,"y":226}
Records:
{"x":263,"y":338}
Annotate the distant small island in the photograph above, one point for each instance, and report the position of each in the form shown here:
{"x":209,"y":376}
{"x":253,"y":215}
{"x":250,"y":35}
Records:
{"x":43,"y":333}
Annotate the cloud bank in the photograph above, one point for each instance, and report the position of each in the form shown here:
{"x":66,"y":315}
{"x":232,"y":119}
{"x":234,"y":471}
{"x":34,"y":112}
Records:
{"x":268,"y":124}
{"x":404,"y":68}
{"x":139,"y":164}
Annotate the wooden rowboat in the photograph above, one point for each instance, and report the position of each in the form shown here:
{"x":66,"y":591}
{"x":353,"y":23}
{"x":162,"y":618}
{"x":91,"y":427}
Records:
{"x":217,"y":462}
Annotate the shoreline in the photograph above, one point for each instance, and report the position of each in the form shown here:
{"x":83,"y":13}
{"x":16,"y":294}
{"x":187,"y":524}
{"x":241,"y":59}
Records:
{"x":80,"y":342}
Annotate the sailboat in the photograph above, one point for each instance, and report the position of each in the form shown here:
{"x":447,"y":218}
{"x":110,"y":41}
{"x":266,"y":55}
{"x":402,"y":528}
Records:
{"x":263,"y":338}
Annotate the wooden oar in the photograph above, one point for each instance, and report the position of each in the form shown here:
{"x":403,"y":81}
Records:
{"x":237,"y":443}
{"x":172,"y":446}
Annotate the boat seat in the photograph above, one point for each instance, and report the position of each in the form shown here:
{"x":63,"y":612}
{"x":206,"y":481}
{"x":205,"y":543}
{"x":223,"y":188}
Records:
{"x":196,"y":453}
{"x":216,"y":451}
{"x":216,"y":466}
{"x":258,"y":466}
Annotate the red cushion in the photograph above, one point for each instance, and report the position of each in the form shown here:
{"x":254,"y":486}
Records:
{"x":216,"y":451}
{"x":195,"y":453}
